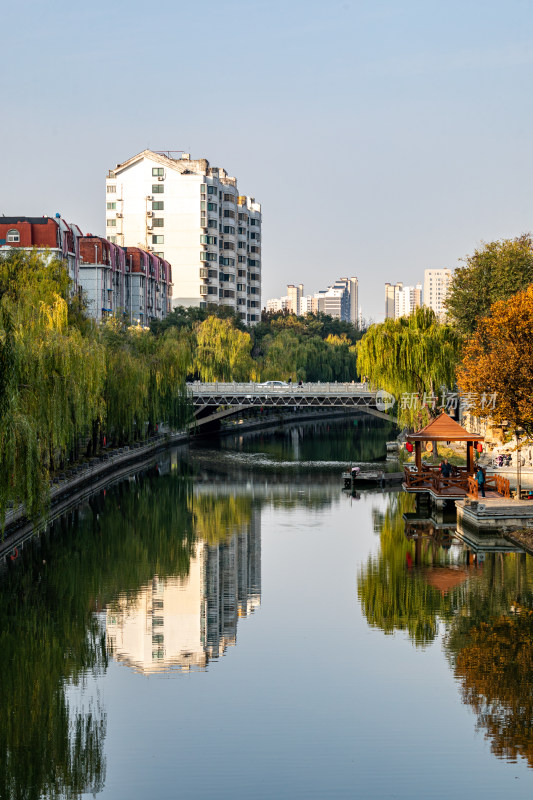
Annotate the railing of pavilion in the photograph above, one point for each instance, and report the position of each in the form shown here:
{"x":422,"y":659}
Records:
{"x":495,"y":483}
{"x":431,"y":478}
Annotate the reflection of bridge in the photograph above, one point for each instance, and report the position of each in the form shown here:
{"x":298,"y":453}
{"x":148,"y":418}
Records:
{"x":213,"y":401}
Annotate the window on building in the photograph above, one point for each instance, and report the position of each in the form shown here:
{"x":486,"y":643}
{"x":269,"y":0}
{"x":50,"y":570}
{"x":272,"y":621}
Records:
{"x":158,"y":205}
{"x":158,"y":254}
{"x":229,"y":229}
{"x":229,"y":198}
{"x":202,"y":188}
{"x":158,"y":239}
{"x":212,"y":207}
{"x":158,"y":188}
{"x":254,"y":222}
{"x":229,"y":214}
{"x":202,"y":205}
{"x":229,"y":246}
{"x":213,"y":223}
{"x":157,"y":172}
{"x":205,"y":239}
{"x":13,"y":235}
{"x":111,"y":223}
{"x":158,"y":222}
{"x":111,"y":206}
{"x":242,"y":231}
{"x":111,"y":189}
{"x":112,"y":239}
{"x":211,"y":190}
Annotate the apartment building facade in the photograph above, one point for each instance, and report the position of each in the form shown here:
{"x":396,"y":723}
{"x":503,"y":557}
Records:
{"x":112,"y":281}
{"x":51,"y":236}
{"x":191,"y":215}
{"x":401,"y":300}
{"x":436,"y":287}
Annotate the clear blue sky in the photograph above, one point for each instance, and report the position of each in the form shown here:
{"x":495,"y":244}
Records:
{"x":382,"y":137}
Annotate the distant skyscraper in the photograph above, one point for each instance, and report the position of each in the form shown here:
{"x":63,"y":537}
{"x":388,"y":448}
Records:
{"x":340,"y":300}
{"x":294,"y":295}
{"x":436,"y":287}
{"x":401,"y":300}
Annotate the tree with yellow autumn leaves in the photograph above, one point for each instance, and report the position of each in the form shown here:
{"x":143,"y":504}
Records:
{"x":498,"y":359}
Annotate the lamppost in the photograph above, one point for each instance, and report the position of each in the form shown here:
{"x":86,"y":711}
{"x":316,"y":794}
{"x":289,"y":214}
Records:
{"x":517,"y":434}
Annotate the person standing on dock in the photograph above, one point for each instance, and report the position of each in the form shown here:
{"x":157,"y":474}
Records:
{"x":445,"y":469}
{"x":480,"y":477}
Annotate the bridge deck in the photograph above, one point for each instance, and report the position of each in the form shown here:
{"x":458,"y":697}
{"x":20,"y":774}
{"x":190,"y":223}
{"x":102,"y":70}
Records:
{"x":254,"y":394}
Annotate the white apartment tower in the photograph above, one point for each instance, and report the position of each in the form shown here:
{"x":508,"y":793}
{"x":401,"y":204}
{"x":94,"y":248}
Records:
{"x":436,"y":287}
{"x":401,"y":300}
{"x":192,"y":215}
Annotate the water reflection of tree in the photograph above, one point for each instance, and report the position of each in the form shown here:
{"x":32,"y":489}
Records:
{"x":489,"y":624}
{"x":51,"y":640}
{"x":218,"y":517}
{"x":490,"y":646}
{"x":393,"y":586}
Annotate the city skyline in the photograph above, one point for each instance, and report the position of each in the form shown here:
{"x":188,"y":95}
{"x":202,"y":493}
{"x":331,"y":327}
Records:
{"x":378,"y":122}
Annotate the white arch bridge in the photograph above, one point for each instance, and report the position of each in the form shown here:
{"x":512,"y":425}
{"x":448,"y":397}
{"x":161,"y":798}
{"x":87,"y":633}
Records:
{"x":214,"y":401}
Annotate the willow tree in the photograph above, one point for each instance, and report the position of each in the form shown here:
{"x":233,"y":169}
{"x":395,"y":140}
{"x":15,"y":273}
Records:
{"x":52,"y":377}
{"x":411,"y":357}
{"x":223,"y":353}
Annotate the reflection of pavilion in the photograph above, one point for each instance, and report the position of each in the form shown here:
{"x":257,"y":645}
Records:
{"x":181,"y":622}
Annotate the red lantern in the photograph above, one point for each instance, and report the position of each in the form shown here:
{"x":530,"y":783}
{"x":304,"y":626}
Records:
{"x":479,"y":447}
{"x":409,"y":447}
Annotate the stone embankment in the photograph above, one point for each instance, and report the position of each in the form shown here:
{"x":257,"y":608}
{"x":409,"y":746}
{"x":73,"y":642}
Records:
{"x":69,"y":488}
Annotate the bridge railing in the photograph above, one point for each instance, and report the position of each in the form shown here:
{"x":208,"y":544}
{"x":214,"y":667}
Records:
{"x":291,"y":388}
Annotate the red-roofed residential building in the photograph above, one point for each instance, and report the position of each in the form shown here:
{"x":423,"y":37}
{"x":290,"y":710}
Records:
{"x":47,"y":234}
{"x":113,"y":279}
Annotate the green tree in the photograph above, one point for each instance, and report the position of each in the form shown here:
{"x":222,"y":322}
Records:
{"x":494,"y":272}
{"x":498,"y":361}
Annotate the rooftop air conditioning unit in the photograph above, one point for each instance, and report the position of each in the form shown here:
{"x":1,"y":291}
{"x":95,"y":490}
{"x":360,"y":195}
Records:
{"x":149,"y":214}
{"x":119,"y":215}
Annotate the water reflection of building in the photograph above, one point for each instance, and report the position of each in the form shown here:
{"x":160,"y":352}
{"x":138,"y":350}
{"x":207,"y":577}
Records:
{"x":183,"y":622}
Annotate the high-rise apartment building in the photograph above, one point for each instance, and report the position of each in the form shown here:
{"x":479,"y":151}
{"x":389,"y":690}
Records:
{"x":190,"y":214}
{"x":401,"y":300}
{"x":294,"y":298}
{"x":436,"y":287}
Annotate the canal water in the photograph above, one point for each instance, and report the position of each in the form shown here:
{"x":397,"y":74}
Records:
{"x":232,"y":624}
